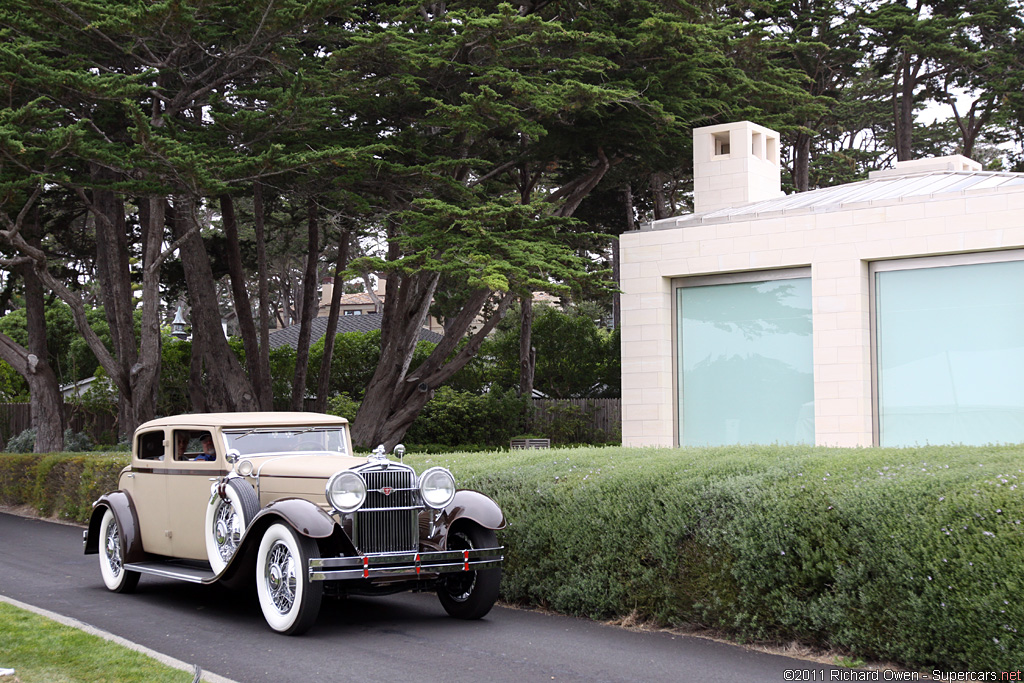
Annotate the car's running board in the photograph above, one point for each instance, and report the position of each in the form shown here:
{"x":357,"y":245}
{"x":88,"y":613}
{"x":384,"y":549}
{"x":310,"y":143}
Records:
{"x":172,"y":571}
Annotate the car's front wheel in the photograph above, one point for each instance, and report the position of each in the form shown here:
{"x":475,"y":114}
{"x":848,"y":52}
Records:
{"x":289,"y":600}
{"x":470,"y":595}
{"x":115,"y":576}
{"x":227,"y":517}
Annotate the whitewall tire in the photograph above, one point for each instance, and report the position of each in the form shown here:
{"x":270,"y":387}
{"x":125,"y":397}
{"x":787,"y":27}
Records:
{"x":111,"y":544}
{"x":289,"y":600}
{"x":226,"y":520}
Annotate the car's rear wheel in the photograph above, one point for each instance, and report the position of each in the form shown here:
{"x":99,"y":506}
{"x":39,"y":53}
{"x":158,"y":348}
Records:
{"x":289,"y":600}
{"x":227,"y":518}
{"x":115,"y":576}
{"x":470,"y":595}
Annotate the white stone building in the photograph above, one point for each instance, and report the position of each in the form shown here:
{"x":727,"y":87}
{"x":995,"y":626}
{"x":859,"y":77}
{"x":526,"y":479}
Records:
{"x":884,"y":312}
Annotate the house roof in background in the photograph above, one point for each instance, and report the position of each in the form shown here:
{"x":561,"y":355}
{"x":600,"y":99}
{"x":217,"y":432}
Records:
{"x":289,"y":336}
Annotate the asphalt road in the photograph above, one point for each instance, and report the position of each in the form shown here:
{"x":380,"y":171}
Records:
{"x":397,"y":638}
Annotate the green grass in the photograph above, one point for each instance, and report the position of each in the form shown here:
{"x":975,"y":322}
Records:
{"x":43,"y":651}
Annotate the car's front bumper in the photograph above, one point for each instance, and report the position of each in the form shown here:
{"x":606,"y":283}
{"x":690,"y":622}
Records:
{"x":404,"y":565}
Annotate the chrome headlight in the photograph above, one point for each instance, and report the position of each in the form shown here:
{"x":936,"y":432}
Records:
{"x":437,"y":487}
{"x":346,"y":491}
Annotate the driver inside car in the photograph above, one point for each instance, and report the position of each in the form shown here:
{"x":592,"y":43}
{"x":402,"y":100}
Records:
{"x":208,"y":451}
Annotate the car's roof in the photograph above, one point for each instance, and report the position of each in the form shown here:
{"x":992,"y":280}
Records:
{"x":229,"y":420}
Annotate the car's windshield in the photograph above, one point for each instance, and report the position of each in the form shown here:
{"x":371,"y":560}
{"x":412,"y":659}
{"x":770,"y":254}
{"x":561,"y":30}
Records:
{"x":257,"y":440}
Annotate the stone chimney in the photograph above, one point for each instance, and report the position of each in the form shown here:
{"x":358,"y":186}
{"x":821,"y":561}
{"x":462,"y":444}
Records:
{"x":326,"y":292}
{"x":734,"y":164}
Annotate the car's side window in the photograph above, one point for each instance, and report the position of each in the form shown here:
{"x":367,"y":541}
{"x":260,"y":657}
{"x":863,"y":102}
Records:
{"x":151,"y":446}
{"x":184,"y":446}
{"x":193,"y":444}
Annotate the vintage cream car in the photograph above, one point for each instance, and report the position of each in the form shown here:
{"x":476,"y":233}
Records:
{"x":283,"y":500}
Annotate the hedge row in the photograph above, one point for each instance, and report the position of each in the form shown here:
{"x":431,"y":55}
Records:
{"x":911,"y":555}
{"x":59,"y":485}
{"x":914,"y":556}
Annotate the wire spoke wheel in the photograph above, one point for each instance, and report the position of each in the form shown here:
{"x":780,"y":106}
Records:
{"x":289,"y":600}
{"x":112,"y":569}
{"x":280,"y":577}
{"x":232,"y":507}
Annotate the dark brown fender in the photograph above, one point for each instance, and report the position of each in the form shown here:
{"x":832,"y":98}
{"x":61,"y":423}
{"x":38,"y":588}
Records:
{"x":468,"y":506}
{"x":473,"y":505}
{"x":120,"y":503}
{"x":305,"y":517}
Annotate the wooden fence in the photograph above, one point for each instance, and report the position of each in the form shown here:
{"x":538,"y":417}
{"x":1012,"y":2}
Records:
{"x":578,"y":420}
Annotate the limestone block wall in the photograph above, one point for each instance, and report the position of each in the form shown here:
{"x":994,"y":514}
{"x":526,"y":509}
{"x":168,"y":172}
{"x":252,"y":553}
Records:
{"x":839,"y":247}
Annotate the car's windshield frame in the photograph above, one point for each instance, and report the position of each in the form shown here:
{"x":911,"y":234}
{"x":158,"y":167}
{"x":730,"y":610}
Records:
{"x":313,"y":439}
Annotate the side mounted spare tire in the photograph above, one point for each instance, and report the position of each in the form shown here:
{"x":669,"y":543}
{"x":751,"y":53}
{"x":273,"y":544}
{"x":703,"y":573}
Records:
{"x":227,"y":517}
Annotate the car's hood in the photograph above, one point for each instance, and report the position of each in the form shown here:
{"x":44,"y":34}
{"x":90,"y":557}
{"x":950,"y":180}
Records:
{"x":302,"y":466}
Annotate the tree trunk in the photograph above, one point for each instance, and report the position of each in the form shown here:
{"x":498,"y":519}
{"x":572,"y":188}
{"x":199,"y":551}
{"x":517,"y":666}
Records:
{"x":221,"y":380}
{"x":307,"y":308}
{"x":112,"y":271}
{"x":47,"y":404}
{"x":395,"y":395}
{"x":323,"y":382}
{"x":124,"y":377}
{"x":406,"y":303}
{"x":904,"y":110}
{"x":264,"y":389}
{"x":527,"y":354}
{"x":616,"y":270}
{"x":145,"y":374}
{"x":802,"y":162}
{"x":243,"y":309}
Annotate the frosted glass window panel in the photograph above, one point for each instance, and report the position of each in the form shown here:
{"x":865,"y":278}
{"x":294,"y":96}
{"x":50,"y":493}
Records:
{"x":950,"y":354}
{"x":745,"y":363}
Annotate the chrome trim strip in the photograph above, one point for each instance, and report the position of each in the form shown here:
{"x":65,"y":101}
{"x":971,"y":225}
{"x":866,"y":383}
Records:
{"x":189,"y":472}
{"x":406,"y":571}
{"x":404,"y":564}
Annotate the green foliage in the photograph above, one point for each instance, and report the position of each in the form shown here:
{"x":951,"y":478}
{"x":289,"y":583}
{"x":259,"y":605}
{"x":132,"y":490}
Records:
{"x":576,"y":357}
{"x":13,"y":387}
{"x":77,"y":442}
{"x":100,"y":397}
{"x":282,"y":374}
{"x":906,"y":555}
{"x":175,"y":366}
{"x":70,"y":356}
{"x":25,"y":442}
{"x":454,"y":417}
{"x":352,"y":363}
{"x":59,"y":485}
{"x":344,"y":406}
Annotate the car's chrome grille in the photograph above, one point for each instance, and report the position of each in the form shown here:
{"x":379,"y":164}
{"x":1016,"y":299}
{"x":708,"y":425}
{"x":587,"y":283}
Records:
{"x":387,"y":522}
